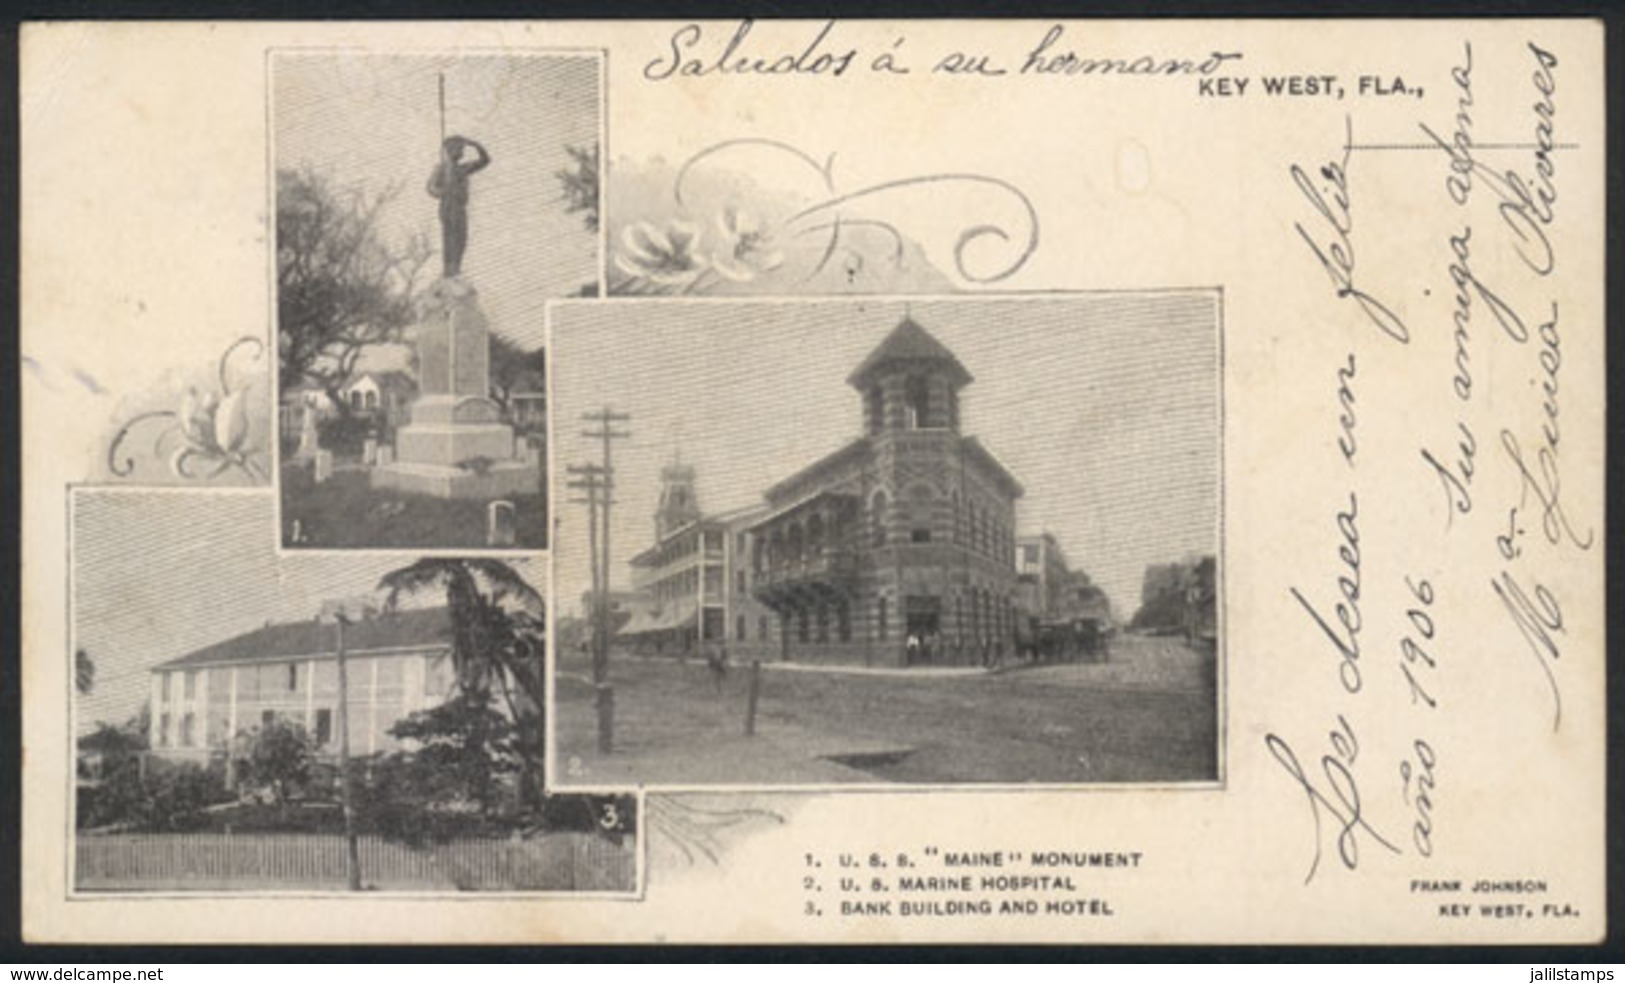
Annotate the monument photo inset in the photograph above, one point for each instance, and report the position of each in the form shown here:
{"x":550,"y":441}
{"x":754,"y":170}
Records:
{"x":426,"y":209}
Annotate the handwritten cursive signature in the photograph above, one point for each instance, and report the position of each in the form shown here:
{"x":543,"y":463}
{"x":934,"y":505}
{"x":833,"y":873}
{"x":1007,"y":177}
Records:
{"x":1539,"y":618}
{"x":1526,"y":205}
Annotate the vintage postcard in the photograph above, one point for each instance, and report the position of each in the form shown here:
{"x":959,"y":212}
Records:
{"x":814,"y":481}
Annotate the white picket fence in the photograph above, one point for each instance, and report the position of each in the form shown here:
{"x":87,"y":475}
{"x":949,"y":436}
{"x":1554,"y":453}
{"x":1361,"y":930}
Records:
{"x":315,"y":861}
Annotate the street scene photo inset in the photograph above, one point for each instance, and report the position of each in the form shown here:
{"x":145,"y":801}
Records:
{"x":930,"y":541}
{"x":426,"y":209}
{"x":328,"y":722}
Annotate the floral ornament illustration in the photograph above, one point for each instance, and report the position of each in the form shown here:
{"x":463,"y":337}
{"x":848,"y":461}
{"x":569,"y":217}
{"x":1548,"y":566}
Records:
{"x":748,"y":248}
{"x":211,"y":428}
{"x":699,"y":251}
{"x":666,"y":258}
{"x":698,"y":832}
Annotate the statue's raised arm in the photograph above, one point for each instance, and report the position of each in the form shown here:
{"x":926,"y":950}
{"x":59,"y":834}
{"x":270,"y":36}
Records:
{"x":482,"y":159}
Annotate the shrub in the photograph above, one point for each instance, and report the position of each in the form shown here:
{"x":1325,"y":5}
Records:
{"x":455,"y":779}
{"x":171,"y":797}
{"x":276,"y":759}
{"x":344,"y":434}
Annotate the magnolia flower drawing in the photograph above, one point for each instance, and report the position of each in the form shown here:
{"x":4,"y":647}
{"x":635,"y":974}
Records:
{"x":665,"y":258}
{"x":746,"y":250}
{"x":761,"y":216}
{"x":207,"y":435}
{"x":680,"y":258}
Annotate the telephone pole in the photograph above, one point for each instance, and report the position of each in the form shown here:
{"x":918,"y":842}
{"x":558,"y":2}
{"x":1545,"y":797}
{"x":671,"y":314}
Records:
{"x":343,"y":611}
{"x":590,"y":479}
{"x":606,"y":419}
{"x":599,"y":483}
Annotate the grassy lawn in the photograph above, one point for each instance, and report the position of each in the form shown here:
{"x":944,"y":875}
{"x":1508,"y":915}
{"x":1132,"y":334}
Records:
{"x":1149,"y":715}
{"x":346,"y":511}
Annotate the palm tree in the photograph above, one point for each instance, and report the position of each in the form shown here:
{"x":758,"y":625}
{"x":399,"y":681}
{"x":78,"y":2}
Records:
{"x":497,"y":640}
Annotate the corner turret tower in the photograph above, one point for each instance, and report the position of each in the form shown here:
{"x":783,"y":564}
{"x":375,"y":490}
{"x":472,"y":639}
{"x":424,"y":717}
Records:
{"x":679,"y":506}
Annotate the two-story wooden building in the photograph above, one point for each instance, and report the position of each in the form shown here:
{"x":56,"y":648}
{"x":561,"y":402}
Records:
{"x":397,"y":662}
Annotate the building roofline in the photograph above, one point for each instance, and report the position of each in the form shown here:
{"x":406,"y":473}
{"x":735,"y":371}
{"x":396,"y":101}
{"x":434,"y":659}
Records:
{"x":851,"y":447}
{"x":700,"y":524}
{"x":1012,"y":483}
{"x":186,"y":661}
{"x":909,"y":342}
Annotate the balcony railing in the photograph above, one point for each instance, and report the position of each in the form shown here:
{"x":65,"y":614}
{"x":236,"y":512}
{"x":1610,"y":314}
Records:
{"x":833,"y":568}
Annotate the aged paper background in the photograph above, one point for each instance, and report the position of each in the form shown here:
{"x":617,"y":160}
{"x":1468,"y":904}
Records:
{"x":145,"y":252}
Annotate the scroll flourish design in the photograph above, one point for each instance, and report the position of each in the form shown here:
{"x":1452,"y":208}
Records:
{"x":683,"y":256}
{"x":698,"y":831}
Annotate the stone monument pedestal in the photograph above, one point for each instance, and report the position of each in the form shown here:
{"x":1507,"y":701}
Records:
{"x":456,"y":445}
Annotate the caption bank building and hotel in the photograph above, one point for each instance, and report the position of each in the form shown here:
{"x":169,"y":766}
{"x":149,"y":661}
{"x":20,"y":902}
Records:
{"x":898,"y":548}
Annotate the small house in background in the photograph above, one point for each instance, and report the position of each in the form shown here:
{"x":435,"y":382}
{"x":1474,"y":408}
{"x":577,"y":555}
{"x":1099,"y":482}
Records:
{"x":295,"y":401}
{"x":398,"y":663}
{"x":383,"y":396}
{"x":526,"y":400}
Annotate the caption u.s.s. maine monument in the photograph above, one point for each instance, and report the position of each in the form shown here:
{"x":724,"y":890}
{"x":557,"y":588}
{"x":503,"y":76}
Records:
{"x":457,"y":445}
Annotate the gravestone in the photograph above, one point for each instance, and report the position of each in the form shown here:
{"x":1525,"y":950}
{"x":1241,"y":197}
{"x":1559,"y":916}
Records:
{"x":369,"y":451}
{"x":308,"y":441}
{"x":501,"y":527}
{"x":324,"y":465}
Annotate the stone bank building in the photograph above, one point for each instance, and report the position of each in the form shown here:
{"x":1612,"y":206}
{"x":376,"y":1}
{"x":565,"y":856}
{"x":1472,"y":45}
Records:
{"x":896,"y":549}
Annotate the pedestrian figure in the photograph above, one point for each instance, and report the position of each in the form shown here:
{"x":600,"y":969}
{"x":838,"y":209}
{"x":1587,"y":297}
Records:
{"x":912,"y":652}
{"x":717,"y":662}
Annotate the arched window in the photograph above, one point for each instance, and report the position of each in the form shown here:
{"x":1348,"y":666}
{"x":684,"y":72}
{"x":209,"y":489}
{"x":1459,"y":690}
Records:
{"x":823,"y":622}
{"x":843,"y":616}
{"x":917,"y":402}
{"x":921,"y":505}
{"x":801,"y":625}
{"x":372,"y":399}
{"x":877,"y":519}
